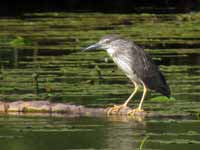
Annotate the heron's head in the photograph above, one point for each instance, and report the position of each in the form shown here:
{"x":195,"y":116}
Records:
{"x":104,"y":43}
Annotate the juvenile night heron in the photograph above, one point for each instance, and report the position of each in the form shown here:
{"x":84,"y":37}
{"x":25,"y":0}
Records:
{"x":136,"y":64}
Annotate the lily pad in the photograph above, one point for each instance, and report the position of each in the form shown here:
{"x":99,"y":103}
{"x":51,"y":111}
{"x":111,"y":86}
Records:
{"x":162,"y":99}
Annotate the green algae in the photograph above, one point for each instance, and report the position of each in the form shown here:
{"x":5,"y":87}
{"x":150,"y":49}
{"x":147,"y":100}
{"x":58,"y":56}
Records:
{"x":48,"y":63}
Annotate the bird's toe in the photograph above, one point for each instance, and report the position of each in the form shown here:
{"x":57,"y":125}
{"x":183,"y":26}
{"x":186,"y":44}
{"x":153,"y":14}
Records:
{"x":134,"y":112}
{"x":115,"y":109}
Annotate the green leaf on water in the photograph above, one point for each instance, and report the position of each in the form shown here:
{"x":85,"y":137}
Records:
{"x":19,"y":41}
{"x":162,"y":99}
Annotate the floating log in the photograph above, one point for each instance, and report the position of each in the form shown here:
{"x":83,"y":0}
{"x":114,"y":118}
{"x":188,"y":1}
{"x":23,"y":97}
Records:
{"x":49,"y":107}
{"x":44,"y":107}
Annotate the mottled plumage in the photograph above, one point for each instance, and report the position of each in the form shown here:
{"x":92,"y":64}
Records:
{"x":135,"y":63}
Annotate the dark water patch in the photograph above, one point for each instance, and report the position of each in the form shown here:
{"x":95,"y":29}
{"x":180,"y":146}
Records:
{"x":104,"y":28}
{"x":175,"y":38}
{"x":164,"y":45}
{"x":192,"y":59}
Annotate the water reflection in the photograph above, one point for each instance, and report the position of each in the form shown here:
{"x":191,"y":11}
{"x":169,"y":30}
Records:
{"x":96,"y":133}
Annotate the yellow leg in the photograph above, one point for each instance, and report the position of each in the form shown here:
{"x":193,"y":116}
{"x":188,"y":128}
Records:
{"x":143,"y":96}
{"x":139,"y":109}
{"x":117,"y":108}
{"x":131,"y":96}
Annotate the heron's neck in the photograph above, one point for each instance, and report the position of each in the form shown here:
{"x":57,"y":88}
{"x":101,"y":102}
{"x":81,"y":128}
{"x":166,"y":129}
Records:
{"x":111,"y":51}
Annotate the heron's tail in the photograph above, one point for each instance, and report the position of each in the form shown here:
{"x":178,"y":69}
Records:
{"x":163,"y":88}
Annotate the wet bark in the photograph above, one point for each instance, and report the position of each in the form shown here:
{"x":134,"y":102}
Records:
{"x":64,"y":108}
{"x":46,"y":107}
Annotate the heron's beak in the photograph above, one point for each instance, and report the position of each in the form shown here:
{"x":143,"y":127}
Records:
{"x":92,"y":47}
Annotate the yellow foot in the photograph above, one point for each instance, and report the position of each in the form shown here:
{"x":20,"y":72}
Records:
{"x":135,"y":112}
{"x":115,"y":109}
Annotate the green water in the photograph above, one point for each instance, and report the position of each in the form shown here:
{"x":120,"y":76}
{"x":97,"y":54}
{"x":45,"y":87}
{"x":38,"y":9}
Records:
{"x":50,"y":133}
{"x":40,"y":59}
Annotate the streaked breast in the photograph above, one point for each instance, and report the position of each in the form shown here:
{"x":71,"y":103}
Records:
{"x":124,"y":64}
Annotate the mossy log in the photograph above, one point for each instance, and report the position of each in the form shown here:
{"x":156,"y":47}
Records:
{"x":44,"y":107}
{"x":49,"y":107}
